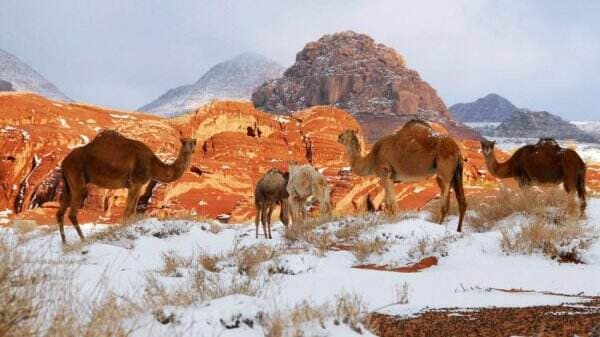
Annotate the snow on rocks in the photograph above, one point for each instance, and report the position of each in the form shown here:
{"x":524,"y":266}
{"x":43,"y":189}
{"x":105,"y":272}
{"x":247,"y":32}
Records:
{"x":293,"y":264}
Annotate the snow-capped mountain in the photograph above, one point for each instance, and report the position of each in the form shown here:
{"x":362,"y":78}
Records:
{"x":24,"y":78}
{"x":232,"y":79}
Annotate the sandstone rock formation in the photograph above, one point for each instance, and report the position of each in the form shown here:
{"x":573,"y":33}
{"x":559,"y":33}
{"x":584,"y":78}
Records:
{"x":352,"y":72}
{"x":237,"y":144}
{"x":491,"y":108}
{"x":232,"y":79}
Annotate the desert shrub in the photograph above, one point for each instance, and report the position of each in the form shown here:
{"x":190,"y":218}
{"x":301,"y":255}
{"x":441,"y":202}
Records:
{"x":401,"y":293}
{"x":363,"y":248}
{"x":349,"y":230}
{"x":172,"y":262}
{"x":350,"y":310}
{"x":564,"y":242}
{"x":426,"y":246}
{"x":249,"y":258}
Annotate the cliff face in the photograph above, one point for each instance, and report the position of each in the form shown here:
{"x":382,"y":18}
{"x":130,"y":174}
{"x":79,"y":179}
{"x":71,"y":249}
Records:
{"x":236,"y":145}
{"x":491,"y":108}
{"x":352,"y":72}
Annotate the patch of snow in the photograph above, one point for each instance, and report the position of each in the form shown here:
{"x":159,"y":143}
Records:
{"x":63,"y":123}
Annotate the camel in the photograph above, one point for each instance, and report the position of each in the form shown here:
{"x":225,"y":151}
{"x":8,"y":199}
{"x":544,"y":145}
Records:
{"x":270,"y":190}
{"x":414,"y":153}
{"x":113,"y":161}
{"x":543,"y":163}
{"x":306,"y":181}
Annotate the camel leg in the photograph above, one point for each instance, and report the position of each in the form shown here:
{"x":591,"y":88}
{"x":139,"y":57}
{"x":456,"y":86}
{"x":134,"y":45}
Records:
{"x":76,"y":196}
{"x":264,"y":211}
{"x":258,"y":208}
{"x":132,"y":195}
{"x":271,"y":207}
{"x":444,"y":197}
{"x":284,"y":212}
{"x":390,"y":194}
{"x":65,"y":200}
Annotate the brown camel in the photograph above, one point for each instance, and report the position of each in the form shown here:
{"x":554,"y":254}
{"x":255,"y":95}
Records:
{"x":113,"y":161}
{"x":414,"y":153}
{"x":543,"y":163}
{"x":270,"y":190}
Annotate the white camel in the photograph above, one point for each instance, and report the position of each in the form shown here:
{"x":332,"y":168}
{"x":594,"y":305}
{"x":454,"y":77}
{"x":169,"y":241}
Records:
{"x":306,"y":181}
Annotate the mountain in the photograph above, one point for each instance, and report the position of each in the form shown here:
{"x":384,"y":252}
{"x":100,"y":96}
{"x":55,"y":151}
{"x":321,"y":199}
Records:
{"x":351,"y":71}
{"x":232,"y":79}
{"x":6,"y":86}
{"x":491,"y":108}
{"x":538,"y":124}
{"x":24,"y":78}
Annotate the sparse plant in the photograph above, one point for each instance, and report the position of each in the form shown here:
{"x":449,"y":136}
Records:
{"x":363,"y":248}
{"x":172,"y":262}
{"x":401,"y":293}
{"x":564,"y":242}
{"x":349,"y":309}
{"x":249,"y":258}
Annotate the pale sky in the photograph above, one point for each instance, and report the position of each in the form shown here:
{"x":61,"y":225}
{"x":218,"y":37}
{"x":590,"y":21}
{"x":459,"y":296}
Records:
{"x":543,"y":55}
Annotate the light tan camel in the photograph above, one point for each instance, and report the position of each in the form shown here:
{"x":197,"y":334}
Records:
{"x":414,"y":153}
{"x":306,"y":181}
{"x":113,"y":161}
{"x":270,"y":190}
{"x":543,"y":163}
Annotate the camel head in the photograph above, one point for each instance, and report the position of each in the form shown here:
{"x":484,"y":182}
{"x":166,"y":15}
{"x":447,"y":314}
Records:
{"x":188,"y":145}
{"x":349,"y":139}
{"x":487,"y":147}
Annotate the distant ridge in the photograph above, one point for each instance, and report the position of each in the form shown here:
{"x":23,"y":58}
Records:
{"x":491,"y":108}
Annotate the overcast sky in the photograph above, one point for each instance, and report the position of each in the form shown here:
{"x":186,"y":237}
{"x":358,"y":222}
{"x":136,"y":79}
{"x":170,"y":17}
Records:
{"x":123,"y":54}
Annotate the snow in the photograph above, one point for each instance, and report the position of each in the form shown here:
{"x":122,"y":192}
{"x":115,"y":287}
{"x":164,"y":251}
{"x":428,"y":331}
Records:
{"x":122,"y":116}
{"x":63,"y":123}
{"x":471,"y":271}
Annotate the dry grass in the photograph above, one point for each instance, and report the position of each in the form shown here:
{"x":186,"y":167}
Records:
{"x":363,"y":248}
{"x":564,"y":242}
{"x":249,"y":258}
{"x":349,"y":309}
{"x":352,"y":229}
{"x":209,"y":261}
{"x":401,"y":293}
{"x":427,"y":246}
{"x":485,"y":211}
{"x":172,"y":262}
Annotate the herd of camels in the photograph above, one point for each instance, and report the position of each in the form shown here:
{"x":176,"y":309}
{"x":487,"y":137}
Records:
{"x":415,"y":152}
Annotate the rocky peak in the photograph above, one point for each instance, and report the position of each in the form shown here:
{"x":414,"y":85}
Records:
{"x":351,"y":71}
{"x":539,"y":124}
{"x":24,"y":78}
{"x":232,"y":79}
{"x":491,"y":108}
{"x":6,"y":86}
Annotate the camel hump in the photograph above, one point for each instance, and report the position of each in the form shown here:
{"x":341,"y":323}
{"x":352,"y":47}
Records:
{"x":549,"y":142}
{"x":109,"y":133}
{"x":417,"y":121}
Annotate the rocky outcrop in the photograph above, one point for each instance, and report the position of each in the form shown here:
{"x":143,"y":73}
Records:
{"x":6,"y":86}
{"x":232,"y":79}
{"x":491,"y":108}
{"x":352,"y":72}
{"x":538,"y":124}
{"x":24,"y":78}
{"x":237,"y":144}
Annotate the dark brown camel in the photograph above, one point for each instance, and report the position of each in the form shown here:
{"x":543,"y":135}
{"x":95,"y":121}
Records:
{"x":543,"y":163}
{"x":270,"y":190}
{"x":113,"y":161}
{"x":414,"y":153}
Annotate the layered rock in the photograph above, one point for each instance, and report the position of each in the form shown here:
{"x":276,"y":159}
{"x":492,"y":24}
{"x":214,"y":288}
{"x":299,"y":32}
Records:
{"x":491,"y":108}
{"x":538,"y":124}
{"x":350,"y":71}
{"x":232,"y":79}
{"x":236,"y":145}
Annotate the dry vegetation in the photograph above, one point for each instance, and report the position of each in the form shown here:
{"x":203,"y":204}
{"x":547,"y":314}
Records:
{"x":363,"y":248}
{"x":563,"y":241}
{"x":485,"y":211}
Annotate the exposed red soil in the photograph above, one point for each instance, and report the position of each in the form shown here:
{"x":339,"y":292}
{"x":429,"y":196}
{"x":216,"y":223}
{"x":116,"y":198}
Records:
{"x":413,"y":268}
{"x":561,"y":320}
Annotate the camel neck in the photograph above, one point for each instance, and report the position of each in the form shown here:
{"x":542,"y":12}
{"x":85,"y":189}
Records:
{"x":168,"y":173}
{"x":358,"y":163}
{"x":497,"y":169}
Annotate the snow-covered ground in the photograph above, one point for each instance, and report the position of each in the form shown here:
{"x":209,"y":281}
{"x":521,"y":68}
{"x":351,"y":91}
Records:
{"x":471,"y":267}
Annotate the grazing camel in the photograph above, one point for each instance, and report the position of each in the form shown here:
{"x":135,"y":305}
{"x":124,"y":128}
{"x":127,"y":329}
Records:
{"x":306,"y":181}
{"x":543,"y":163}
{"x":270,"y":190}
{"x":414,"y":153}
{"x":113,"y":161}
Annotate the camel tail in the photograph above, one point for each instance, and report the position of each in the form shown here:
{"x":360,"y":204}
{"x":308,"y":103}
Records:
{"x":457,"y":185}
{"x":581,"y":187}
